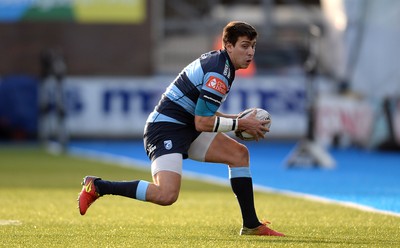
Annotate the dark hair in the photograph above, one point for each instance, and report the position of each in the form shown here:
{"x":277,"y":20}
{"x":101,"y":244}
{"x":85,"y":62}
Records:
{"x":236,"y":29}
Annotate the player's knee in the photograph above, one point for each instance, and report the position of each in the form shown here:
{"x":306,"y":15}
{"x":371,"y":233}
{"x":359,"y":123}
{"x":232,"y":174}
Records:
{"x":167,"y":199}
{"x":244,"y":154}
{"x":241,"y":157}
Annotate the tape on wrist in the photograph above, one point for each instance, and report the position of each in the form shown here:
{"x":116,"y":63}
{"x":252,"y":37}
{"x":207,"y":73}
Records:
{"x":223,"y":124}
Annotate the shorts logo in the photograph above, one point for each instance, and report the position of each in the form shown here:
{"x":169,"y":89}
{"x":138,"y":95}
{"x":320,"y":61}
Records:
{"x":168,"y":144}
{"x":216,"y":84}
{"x":151,"y":148}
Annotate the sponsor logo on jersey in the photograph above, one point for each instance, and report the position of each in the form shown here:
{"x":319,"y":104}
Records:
{"x":227,"y":71}
{"x":168,"y":144}
{"x":216,"y":84}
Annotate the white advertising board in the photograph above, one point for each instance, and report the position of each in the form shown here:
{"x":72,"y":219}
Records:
{"x":118,"y":107}
{"x":345,"y":118}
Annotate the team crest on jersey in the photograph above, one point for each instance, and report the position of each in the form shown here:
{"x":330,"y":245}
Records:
{"x":227,"y":71}
{"x":217,"y":84}
{"x":168,"y":144}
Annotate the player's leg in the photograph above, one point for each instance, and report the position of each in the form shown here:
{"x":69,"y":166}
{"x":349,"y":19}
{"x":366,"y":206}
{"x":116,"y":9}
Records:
{"x":167,"y":175}
{"x":95,"y":187}
{"x":164,"y":189}
{"x":220,"y":148}
{"x":165,"y":144}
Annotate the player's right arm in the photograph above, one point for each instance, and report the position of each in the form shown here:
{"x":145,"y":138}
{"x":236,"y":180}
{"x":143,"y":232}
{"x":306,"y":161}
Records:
{"x":251,"y":124}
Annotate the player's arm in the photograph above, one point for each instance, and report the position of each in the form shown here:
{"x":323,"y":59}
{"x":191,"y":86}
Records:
{"x":207,"y":118}
{"x":208,"y":123}
{"x":225,"y":123}
{"x":233,"y":116}
{"x":248,"y":124}
{"x":216,"y":123}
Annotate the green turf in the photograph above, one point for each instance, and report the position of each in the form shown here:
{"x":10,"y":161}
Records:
{"x":39,"y":191}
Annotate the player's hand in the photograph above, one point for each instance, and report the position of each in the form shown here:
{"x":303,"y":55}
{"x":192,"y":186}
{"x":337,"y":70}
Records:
{"x":237,"y":134}
{"x":253,"y":126}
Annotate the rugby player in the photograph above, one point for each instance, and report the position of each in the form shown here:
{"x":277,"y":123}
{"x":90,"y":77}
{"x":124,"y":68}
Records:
{"x":186,"y":123}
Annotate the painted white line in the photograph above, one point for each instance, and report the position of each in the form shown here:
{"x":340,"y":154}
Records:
{"x":109,"y":158}
{"x":10,"y":223}
{"x":260,"y":188}
{"x":320,"y":199}
{"x":140,"y":164}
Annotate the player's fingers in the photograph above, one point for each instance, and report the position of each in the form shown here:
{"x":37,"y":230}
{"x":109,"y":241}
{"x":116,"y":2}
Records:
{"x":254,"y":133}
{"x":261,"y":134}
{"x":263,"y":122}
{"x":239,"y":134}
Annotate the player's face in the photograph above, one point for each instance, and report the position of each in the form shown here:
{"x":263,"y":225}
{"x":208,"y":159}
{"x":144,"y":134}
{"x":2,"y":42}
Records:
{"x":242,"y":53}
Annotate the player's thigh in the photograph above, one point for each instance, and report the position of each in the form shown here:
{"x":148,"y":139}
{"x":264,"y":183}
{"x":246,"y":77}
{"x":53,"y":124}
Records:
{"x":199,"y":147}
{"x":166,"y":187}
{"x":167,"y":171}
{"x":222,"y":149}
{"x":167,"y":182}
{"x":167,"y":162}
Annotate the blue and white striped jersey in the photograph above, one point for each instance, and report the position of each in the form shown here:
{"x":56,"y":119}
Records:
{"x":199,"y":89}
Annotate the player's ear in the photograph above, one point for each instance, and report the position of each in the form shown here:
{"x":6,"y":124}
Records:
{"x":228,"y":47}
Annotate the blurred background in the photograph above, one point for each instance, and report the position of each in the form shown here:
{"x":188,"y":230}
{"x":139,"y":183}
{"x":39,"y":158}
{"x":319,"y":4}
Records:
{"x":327,"y":70}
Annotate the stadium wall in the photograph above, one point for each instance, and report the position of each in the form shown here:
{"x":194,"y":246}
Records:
{"x":118,"y":107}
{"x":110,"y":107}
{"x":93,"y":43}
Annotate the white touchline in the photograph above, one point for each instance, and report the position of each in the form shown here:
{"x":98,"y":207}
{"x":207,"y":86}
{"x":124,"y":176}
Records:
{"x":140,"y":164}
{"x":10,"y":223}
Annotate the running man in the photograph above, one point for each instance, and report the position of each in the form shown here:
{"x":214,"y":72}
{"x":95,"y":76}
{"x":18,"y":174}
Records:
{"x":186,"y":124}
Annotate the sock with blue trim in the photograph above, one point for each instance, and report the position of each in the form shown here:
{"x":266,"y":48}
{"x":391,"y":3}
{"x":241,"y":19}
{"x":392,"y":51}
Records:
{"x":132,"y":189}
{"x":242,"y":186}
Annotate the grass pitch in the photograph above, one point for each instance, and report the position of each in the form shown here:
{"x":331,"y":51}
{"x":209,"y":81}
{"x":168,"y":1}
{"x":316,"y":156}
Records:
{"x":38,"y":208}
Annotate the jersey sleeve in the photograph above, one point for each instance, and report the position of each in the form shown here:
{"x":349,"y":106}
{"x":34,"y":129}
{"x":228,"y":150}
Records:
{"x":215,"y":87}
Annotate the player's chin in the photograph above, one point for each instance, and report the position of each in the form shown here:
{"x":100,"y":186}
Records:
{"x":245,"y":66}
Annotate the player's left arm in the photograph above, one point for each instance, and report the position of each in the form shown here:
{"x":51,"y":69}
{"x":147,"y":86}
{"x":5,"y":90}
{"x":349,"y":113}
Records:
{"x":225,"y":122}
{"x":207,"y":123}
{"x":232,"y":116}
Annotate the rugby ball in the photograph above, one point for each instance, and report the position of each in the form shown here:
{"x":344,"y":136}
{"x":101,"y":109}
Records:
{"x":261,"y":114}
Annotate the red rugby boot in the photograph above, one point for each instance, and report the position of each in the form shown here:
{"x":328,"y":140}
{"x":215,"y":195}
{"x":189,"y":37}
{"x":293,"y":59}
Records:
{"x":261,"y":230}
{"x":88,"y":194}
